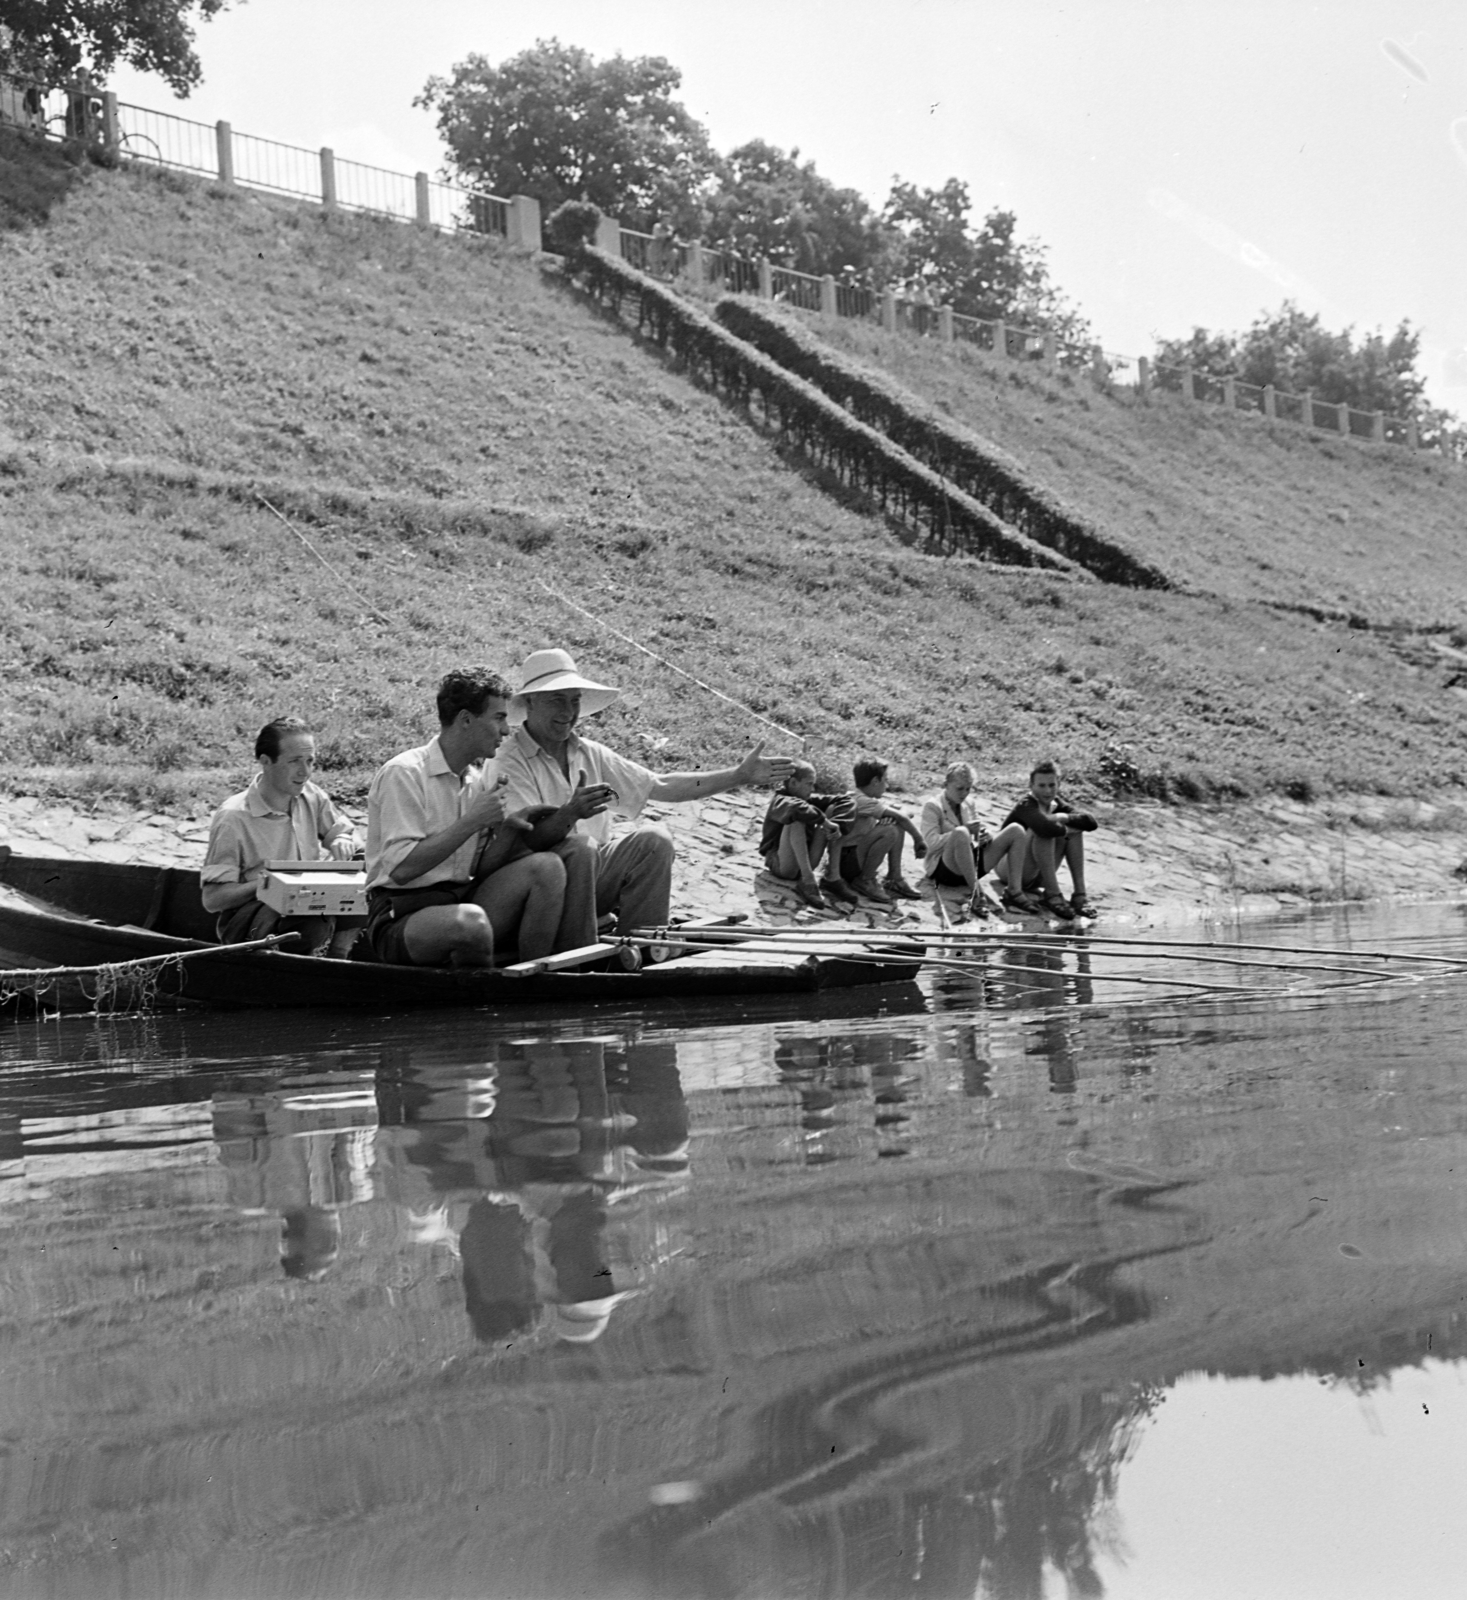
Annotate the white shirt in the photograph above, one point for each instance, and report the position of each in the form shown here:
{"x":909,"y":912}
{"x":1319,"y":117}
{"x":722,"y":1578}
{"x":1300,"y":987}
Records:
{"x":247,"y":831}
{"x":940,"y":818}
{"x":533,"y":778}
{"x":416,"y":795}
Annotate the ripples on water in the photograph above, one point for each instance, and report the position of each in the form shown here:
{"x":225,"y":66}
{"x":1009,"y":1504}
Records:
{"x":915,"y":1303}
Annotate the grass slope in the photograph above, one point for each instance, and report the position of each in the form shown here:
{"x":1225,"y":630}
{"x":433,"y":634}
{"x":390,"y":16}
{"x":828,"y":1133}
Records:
{"x":1224,"y":502}
{"x":450,"y":430}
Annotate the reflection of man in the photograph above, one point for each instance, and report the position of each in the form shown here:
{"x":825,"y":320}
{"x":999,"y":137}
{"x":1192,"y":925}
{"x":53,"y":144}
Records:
{"x":282,"y":816}
{"x":547,"y":764}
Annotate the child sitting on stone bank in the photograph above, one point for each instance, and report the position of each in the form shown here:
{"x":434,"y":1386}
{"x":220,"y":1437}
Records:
{"x":802,"y":830}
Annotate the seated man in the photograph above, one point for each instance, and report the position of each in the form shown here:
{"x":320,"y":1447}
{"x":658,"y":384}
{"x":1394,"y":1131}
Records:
{"x":1055,"y":832}
{"x":448,"y":870}
{"x":546,"y":764}
{"x":800,"y":827}
{"x":282,"y":816}
{"x":877,"y":835}
{"x":960,"y":850}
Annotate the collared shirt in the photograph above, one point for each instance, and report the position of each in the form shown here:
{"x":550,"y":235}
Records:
{"x":246,"y":832}
{"x":416,"y":795}
{"x":940,"y":817}
{"x":534,"y":778}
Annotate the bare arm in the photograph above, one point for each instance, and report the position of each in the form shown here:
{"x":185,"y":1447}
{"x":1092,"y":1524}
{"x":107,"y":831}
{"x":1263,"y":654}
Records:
{"x":486,"y":812}
{"x":755,"y":768}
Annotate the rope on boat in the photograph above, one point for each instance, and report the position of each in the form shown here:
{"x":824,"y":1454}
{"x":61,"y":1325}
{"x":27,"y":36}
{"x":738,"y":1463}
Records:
{"x":137,"y":978}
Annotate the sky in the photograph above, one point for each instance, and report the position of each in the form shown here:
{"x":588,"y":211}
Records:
{"x":1185,"y":162}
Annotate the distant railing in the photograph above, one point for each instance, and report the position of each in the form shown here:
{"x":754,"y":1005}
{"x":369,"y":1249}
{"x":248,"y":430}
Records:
{"x":138,"y":134}
{"x":916,"y":316}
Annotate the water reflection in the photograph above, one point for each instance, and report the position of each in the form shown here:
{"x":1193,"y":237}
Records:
{"x":843,"y":1306}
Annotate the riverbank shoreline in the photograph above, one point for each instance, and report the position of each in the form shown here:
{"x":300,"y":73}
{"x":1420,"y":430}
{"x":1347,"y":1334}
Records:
{"x":1150,"y":865}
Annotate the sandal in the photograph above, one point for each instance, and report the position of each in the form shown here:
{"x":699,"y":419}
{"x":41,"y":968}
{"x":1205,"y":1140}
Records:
{"x":1057,"y":906}
{"x":1017,"y":900}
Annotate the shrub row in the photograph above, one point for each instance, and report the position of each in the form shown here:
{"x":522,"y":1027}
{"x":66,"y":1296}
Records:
{"x":828,"y":435}
{"x":953,"y":454}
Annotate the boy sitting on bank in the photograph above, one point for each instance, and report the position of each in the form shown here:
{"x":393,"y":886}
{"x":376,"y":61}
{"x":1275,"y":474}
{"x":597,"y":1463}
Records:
{"x":878,"y":834}
{"x":801,"y":830}
{"x":1056,"y":833}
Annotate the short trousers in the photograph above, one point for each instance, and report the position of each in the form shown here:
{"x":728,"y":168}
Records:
{"x":387,"y":909}
{"x":945,"y":878}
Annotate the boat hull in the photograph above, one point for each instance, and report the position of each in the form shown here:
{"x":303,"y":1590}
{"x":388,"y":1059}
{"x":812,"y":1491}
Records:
{"x":89,"y":914}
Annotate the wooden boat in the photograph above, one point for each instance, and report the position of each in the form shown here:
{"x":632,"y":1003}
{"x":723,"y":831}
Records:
{"x":64,"y":913}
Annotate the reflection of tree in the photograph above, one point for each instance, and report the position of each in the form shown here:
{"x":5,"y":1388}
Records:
{"x":826,"y":1503}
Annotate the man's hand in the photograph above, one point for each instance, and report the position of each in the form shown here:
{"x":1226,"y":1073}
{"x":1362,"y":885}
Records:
{"x":487,"y":811}
{"x":757,"y":768}
{"x":589,"y":799}
{"x":346,"y":848}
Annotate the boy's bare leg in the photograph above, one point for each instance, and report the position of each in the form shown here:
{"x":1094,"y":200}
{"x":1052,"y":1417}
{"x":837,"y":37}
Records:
{"x":1075,"y":861}
{"x":528,"y":894}
{"x":1007,"y":848}
{"x":958,"y":856}
{"x":795,"y":860}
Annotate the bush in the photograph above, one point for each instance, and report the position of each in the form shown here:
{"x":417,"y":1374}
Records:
{"x":571,"y":227}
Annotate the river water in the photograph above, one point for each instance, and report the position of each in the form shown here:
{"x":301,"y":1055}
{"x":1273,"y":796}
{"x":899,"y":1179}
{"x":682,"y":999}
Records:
{"x":1053,"y":1283}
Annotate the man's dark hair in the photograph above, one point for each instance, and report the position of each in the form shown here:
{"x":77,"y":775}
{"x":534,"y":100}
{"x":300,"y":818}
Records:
{"x":865,"y":770}
{"x":268,"y":740}
{"x":469,"y":690}
{"x":1043,"y":766}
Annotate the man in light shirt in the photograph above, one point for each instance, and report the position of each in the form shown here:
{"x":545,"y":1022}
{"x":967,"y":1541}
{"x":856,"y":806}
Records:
{"x":574,"y":785}
{"x":449,"y":871}
{"x":282,"y":816}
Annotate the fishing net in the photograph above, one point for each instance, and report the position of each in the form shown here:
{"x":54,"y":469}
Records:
{"x":114,"y":988}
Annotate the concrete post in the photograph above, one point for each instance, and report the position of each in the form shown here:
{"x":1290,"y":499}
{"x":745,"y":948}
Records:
{"x":1413,"y":434}
{"x":827,"y":296}
{"x":1342,"y":418}
{"x":328,"y":178}
{"x":1308,"y":403}
{"x":888,"y":311}
{"x":1230,"y":392}
{"x":424,"y":217}
{"x":111,"y":131}
{"x":1099,"y":370}
{"x":1143,"y":374}
{"x":608,"y":236}
{"x":224,"y":144}
{"x":696,"y":269}
{"x":1377,"y":427}
{"x":1189,"y":389}
{"x":1270,"y":400}
{"x":766,"y":279}
{"x":945,"y":324}
{"x":1000,"y":339}
{"x":522,"y":223}
{"x":1051,"y":350}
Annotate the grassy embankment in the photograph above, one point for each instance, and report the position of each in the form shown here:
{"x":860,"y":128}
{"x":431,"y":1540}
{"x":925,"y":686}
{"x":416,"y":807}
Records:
{"x":448,"y":428}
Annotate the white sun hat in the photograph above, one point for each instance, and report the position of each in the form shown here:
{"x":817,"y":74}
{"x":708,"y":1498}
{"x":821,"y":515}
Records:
{"x":544,"y":671}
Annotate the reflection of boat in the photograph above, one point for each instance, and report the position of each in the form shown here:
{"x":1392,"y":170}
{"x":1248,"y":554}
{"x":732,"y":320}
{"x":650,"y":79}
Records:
{"x":91,"y":913}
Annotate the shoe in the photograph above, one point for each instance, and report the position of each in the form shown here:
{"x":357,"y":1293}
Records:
{"x":1081,"y":906}
{"x":1017,"y":900}
{"x":838,"y":891}
{"x":868,"y":889}
{"x":1057,"y":906}
{"x":901,"y":889}
{"x":811,"y":895}
{"x":979,"y":907}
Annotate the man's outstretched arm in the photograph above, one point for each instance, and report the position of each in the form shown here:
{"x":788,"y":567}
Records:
{"x":755,"y":768}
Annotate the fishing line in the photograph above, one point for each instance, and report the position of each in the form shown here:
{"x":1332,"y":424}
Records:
{"x":335,"y":572}
{"x":601,"y":622}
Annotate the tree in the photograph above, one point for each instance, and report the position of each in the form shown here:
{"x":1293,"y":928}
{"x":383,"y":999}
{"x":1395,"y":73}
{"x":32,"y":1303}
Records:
{"x":555,"y":123}
{"x":51,"y":40}
{"x":770,"y":203}
{"x":988,"y":273}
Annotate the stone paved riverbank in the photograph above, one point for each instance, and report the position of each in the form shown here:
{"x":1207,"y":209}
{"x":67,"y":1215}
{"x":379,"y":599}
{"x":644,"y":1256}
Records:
{"x":1150,"y":863}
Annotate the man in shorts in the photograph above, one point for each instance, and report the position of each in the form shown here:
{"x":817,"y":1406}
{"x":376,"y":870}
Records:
{"x":449,"y":873}
{"x":282,"y":816}
{"x":960,"y":850}
{"x":1055,"y":834}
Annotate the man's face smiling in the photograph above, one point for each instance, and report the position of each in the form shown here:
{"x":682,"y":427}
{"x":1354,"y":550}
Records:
{"x":550,"y":718}
{"x":290,"y":771}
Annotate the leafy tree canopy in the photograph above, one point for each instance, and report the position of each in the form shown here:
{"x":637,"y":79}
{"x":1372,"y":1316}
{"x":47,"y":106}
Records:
{"x":555,"y":123}
{"x":53,"y":39}
{"x":984,"y":272}
{"x":770,"y":203}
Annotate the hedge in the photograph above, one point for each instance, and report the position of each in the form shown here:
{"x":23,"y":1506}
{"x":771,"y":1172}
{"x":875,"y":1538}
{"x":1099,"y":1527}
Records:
{"x":827,"y":435}
{"x":957,"y":456}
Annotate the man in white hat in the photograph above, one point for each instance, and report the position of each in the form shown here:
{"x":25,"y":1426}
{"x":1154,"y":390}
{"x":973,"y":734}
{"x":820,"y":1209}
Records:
{"x":546,"y":763}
